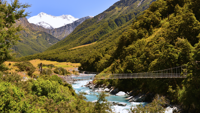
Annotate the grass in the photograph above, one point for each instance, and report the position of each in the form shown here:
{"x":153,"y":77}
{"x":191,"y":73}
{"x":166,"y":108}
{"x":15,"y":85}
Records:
{"x":83,"y":46}
{"x":66,"y":65}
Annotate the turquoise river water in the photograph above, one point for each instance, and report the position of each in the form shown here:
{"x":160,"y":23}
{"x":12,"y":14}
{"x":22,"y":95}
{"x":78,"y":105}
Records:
{"x":79,"y":86}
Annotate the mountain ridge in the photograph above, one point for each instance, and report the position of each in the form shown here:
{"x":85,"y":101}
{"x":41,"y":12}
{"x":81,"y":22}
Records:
{"x":59,"y":33}
{"x":53,"y":21}
{"x":104,"y":29}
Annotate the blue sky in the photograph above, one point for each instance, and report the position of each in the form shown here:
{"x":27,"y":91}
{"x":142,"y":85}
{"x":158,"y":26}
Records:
{"x":76,"y":8}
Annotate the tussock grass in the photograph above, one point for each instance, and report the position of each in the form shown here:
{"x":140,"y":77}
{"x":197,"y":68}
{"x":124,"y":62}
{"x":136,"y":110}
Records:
{"x":66,"y":65}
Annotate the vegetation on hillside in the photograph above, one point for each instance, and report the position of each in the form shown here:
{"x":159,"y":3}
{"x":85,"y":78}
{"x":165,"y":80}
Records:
{"x":104,"y":29}
{"x":32,"y":42}
{"x":165,"y":36}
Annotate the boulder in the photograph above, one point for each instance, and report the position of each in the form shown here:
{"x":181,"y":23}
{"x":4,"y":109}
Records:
{"x":115,"y":103}
{"x":122,"y":104}
{"x":107,"y":90}
{"x":121,"y":93}
{"x":128,"y":98}
{"x":91,"y":87}
{"x":114,"y":91}
{"x":99,"y":90}
{"x":139,"y":98}
{"x":119,"y":103}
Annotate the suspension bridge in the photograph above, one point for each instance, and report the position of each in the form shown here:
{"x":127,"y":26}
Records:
{"x":176,"y":72}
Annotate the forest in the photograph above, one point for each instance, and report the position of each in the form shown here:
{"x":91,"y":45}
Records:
{"x":166,"y":35}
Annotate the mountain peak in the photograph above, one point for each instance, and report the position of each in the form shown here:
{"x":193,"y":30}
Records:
{"x":50,"y":21}
{"x":42,"y":14}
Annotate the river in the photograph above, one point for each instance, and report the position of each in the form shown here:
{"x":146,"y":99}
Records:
{"x":79,"y":86}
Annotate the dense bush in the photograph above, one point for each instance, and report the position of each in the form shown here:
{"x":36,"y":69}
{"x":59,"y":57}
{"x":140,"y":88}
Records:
{"x":47,"y":72}
{"x":26,"y":66}
{"x":61,"y":71}
{"x":48,"y":94}
{"x":156,"y":106}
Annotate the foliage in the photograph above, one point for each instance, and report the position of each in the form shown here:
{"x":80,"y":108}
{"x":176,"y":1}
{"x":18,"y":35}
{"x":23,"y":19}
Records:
{"x":8,"y":37}
{"x":102,"y":105}
{"x":32,"y":42}
{"x":26,"y":66}
{"x":48,"y":94}
{"x":156,"y":106}
{"x":12,"y":78}
{"x":11,"y":98}
{"x":165,"y":36}
{"x":47,"y":72}
{"x":61,"y":71}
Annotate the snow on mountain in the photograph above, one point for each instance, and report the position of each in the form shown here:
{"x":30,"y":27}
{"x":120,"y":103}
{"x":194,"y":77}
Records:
{"x":45,"y":25}
{"x":50,"y":22}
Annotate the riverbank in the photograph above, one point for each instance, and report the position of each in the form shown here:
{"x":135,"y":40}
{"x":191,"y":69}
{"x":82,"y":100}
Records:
{"x":133,"y":97}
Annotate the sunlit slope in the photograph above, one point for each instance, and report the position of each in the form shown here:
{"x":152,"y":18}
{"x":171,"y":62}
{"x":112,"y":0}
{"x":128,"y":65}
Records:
{"x":94,"y":29}
{"x":104,"y":29}
{"x":32,"y":41}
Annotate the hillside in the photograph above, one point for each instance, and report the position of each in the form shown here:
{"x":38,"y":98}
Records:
{"x":36,"y":39}
{"x":31,"y":41}
{"x":104,"y":29}
{"x":92,"y":30}
{"x":165,"y":36}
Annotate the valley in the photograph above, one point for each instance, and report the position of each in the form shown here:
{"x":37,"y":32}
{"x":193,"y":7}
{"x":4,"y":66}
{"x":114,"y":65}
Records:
{"x":135,"y":56}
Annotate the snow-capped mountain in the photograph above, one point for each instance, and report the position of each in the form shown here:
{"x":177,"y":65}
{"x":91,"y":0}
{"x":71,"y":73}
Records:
{"x":51,"y":22}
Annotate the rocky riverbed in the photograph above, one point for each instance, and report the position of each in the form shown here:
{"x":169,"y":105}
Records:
{"x":131,"y":96}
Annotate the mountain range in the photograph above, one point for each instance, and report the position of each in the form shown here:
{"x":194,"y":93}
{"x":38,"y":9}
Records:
{"x":103,"y":29}
{"x":36,"y":38}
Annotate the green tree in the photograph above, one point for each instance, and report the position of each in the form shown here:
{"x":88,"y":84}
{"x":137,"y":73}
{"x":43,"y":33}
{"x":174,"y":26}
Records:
{"x":102,"y":105}
{"x":9,"y":13}
{"x":156,"y":106}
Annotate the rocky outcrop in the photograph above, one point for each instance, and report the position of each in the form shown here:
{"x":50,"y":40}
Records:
{"x":64,"y":31}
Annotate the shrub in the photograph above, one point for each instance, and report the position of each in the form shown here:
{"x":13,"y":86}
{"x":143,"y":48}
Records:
{"x":156,"y":106}
{"x":61,"y":71}
{"x":47,"y":72}
{"x":12,"y":78}
{"x":56,"y":78}
{"x":26,"y":66}
{"x":11,"y":98}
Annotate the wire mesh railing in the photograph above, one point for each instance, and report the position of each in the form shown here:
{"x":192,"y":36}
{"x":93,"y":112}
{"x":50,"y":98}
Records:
{"x":176,"y":72}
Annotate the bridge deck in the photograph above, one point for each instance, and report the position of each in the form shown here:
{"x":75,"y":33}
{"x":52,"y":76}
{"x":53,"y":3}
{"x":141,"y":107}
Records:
{"x":127,"y":76}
